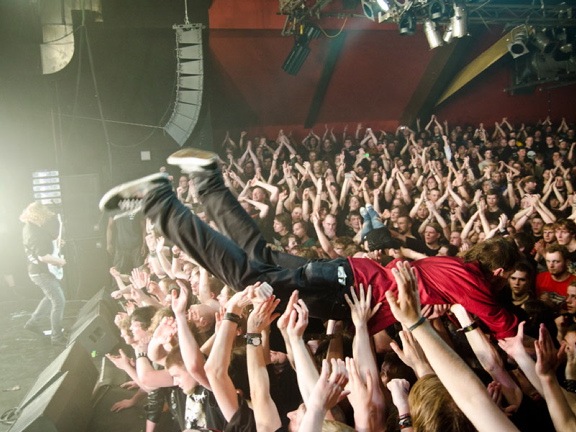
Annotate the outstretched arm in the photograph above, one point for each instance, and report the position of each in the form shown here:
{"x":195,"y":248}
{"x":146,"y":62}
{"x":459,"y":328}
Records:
{"x":546,"y":364}
{"x":265,"y":411}
{"x":463,"y":385}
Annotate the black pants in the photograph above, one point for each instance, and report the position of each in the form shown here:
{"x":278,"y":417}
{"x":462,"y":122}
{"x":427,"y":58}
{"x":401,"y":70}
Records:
{"x":241,"y":257}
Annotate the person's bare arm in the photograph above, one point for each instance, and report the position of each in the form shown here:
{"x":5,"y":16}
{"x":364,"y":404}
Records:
{"x":463,"y":385}
{"x":546,"y":364}
{"x":324,"y":241}
{"x":265,"y":412}
{"x":327,"y":392}
{"x":361,"y":311}
{"x":191,"y":354}
{"x":488,"y":356}
{"x":219,"y":360}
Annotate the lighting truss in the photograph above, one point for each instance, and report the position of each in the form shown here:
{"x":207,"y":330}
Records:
{"x":538,"y":14}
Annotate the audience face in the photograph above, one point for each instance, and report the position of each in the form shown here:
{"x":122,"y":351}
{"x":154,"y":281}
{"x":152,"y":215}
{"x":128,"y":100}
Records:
{"x":329,"y":225}
{"x":492,"y":201}
{"x":456,"y":238}
{"x":278,"y":226}
{"x":519,"y":284}
{"x":138,"y":331}
{"x":537,"y":224}
{"x":182,"y":378}
{"x":183,"y":182}
{"x":556,"y":264}
{"x":296,"y":418}
{"x":431,"y":236}
{"x":299,"y":230}
{"x":571,"y":301}
{"x":563,"y":236}
{"x":223,"y":296}
{"x":356,"y":222}
{"x":259,"y":195}
{"x":404,"y":225}
{"x":296,"y":214}
{"x":548,"y":235}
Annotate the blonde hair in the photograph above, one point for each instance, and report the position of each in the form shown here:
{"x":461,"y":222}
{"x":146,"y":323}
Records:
{"x":433,"y":409}
{"x":36,"y":213}
{"x":335,"y":426}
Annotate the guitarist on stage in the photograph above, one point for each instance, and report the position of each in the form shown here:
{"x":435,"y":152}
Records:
{"x":44,"y":262}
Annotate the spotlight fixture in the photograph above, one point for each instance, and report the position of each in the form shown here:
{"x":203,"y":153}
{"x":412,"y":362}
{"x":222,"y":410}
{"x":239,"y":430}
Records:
{"x":436,"y":9}
{"x":447,"y":36}
{"x":543,"y":42}
{"x":384,"y":5}
{"x":517,"y":47}
{"x":459,"y":21}
{"x":375,"y":9}
{"x":407,"y":24}
{"x":300,"y":52}
{"x":432,"y":35}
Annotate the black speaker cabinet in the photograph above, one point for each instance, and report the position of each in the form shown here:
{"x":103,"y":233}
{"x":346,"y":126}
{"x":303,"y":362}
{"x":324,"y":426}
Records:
{"x":61,"y":398}
{"x":94,"y":329}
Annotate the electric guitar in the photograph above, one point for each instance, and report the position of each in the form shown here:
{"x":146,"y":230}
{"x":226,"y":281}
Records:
{"x":58,"y":272}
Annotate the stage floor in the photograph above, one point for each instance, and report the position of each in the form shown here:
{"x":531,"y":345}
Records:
{"x":23,"y":356}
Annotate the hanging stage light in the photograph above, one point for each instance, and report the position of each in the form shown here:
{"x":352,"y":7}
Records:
{"x":300,"y":52}
{"x":459,"y":21}
{"x":407,"y":24}
{"x":543,"y":42}
{"x":517,"y":47}
{"x":436,"y":9}
{"x":375,"y":9}
{"x":432,"y":35}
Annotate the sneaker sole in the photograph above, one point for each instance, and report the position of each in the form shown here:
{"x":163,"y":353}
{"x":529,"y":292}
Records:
{"x":124,"y":191}
{"x":192,"y":157}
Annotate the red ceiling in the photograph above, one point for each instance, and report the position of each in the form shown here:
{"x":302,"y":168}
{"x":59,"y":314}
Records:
{"x":373,"y":80}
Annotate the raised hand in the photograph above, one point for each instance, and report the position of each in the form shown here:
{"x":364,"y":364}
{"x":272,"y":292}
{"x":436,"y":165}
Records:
{"x":165,"y":331}
{"x":180,"y":299}
{"x":284,"y":319}
{"x":411,"y":353}
{"x":405,"y":307}
{"x":547,"y":357}
{"x":329,"y":389}
{"x":139,"y":279}
{"x":360,"y":307}
{"x":298,"y":320}
{"x":262,"y":315}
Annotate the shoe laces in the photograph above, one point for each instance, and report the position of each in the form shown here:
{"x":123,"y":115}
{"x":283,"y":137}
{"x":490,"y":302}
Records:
{"x":130,"y":204}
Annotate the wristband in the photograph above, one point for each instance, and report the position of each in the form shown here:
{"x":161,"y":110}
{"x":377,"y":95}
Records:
{"x":405,"y":421}
{"x":469,"y":328}
{"x":229,"y":316}
{"x":153,"y":254}
{"x":418,"y":324}
{"x":141,"y":354}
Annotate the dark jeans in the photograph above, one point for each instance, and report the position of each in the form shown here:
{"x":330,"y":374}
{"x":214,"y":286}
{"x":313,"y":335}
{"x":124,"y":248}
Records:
{"x":52,"y":304}
{"x":247,"y":259}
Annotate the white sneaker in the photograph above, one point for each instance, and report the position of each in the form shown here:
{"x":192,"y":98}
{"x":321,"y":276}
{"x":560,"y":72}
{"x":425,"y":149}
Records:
{"x":191,"y":159}
{"x":127,"y":197}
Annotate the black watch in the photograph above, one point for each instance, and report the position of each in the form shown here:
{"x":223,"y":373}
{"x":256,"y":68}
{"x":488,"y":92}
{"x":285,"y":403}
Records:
{"x":254,"y":339}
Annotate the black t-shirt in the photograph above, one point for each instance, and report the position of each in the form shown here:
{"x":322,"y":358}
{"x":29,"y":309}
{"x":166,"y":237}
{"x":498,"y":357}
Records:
{"x":37,"y":242}
{"x":129,"y":231}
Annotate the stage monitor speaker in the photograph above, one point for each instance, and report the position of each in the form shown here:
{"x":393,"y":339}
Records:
{"x":95,"y":331}
{"x":61,"y":398}
{"x":101,"y":300}
{"x":74,"y":359}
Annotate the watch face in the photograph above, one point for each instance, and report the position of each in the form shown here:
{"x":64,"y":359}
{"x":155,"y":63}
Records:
{"x":254,"y":340}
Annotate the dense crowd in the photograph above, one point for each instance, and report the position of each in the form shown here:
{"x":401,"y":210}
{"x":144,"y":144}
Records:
{"x":222,"y":357}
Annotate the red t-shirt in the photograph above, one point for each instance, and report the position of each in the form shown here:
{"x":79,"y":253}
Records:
{"x":441,"y":280}
{"x":557,"y":290}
